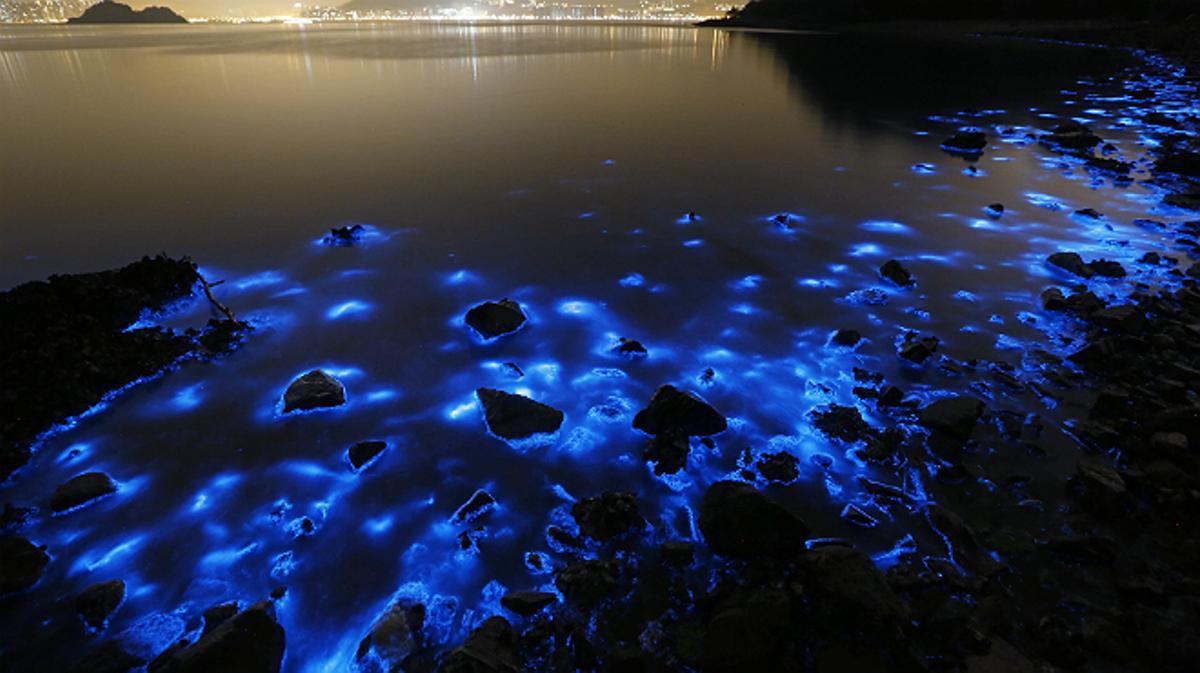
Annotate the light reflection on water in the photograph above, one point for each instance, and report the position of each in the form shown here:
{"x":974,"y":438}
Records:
{"x":473,"y":150}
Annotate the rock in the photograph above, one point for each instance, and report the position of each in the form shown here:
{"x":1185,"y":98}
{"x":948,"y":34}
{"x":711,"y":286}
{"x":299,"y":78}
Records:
{"x":1123,"y":317}
{"x":110,"y":657}
{"x":346,"y":235}
{"x":314,"y":390}
{"x":1106,"y":268}
{"x":895,"y":272}
{"x":995,"y":211}
{"x":737,"y":521}
{"x":1071,"y":136}
{"x":1179,"y":163}
{"x":480,"y":503}
{"x":491,"y":648}
{"x":748,"y":631}
{"x":668,"y":452}
{"x":100,"y":600}
{"x":849,"y":594}
{"x":607,"y":515}
{"x":219,"y":614}
{"x":1072,"y":262}
{"x":780,"y":467}
{"x":855,"y":515}
{"x":630,"y":349}
{"x":1084,"y":303}
{"x":250,"y":642}
{"x":392,"y":638}
{"x":918,"y":349}
{"x":81,"y":490}
{"x":1054,"y":300}
{"x":496,"y":318}
{"x":672,"y":410}
{"x":1100,"y":488}
{"x":678,"y":553}
{"x":1090,"y":213}
{"x":846,"y":337}
{"x":968,"y":141}
{"x":841,"y":422}
{"x":1189,"y":200}
{"x":363,"y":453}
{"x":1000,"y":658}
{"x":516,"y":416}
{"x":586,"y":583}
{"x":890,"y":396}
{"x":526,"y":603}
{"x":955,"y":416}
{"x":21,"y":564}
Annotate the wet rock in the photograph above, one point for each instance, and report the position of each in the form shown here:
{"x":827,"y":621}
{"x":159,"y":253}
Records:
{"x":968,"y":141}
{"x":496,"y":318}
{"x":678,"y":553}
{"x":1072,"y":262}
{"x":1189,"y":200}
{"x":846,"y":337}
{"x":1000,"y":658}
{"x":855,"y":515}
{"x":392,"y":639}
{"x":607,"y":515}
{"x":780,"y":467}
{"x":1093,"y":548}
{"x":1106,"y":268}
{"x":219,"y":614}
{"x":586,"y":583}
{"x":480,"y":503}
{"x":491,"y":648}
{"x":1123,"y":317}
{"x":314,"y":390}
{"x":98,"y":601}
{"x":841,"y":422}
{"x":363,"y":453}
{"x":849,"y":594}
{"x":630,"y":348}
{"x":526,"y":603}
{"x":346,"y":235}
{"x":1100,"y":488}
{"x":955,"y":416}
{"x":890,"y":396}
{"x":1053,"y":299}
{"x":516,"y":416}
{"x":1179,"y":163}
{"x":21,"y":564}
{"x":897,"y":273}
{"x":737,"y":521}
{"x":918,"y":349}
{"x":995,"y":211}
{"x":250,"y":642}
{"x":673,"y":410}
{"x":1089,"y":213}
{"x":81,"y":490}
{"x":1071,"y":136}
{"x":110,"y":657}
{"x":668,"y":452}
{"x":748,"y":631}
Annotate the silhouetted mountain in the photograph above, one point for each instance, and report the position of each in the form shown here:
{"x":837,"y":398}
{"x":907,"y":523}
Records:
{"x":792,"y":12}
{"x":115,"y":12}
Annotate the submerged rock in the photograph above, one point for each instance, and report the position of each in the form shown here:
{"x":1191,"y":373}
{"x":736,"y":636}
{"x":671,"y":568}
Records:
{"x":314,"y":390}
{"x":841,"y":422}
{"x":673,"y":410}
{"x":480,"y":503}
{"x":249,"y":642}
{"x":496,"y":318}
{"x":918,"y":349}
{"x":780,"y":467}
{"x":1071,"y":136}
{"x":346,"y":235}
{"x":630,"y":348}
{"x":491,"y":648}
{"x":98,"y":601}
{"x":21,"y":563}
{"x":526,"y":603}
{"x":740,"y":522}
{"x":607,"y":515}
{"x":81,"y":490}
{"x":516,"y":416}
{"x":392,"y":638}
{"x":365,"y":452}
{"x":969,"y":141}
{"x":668,"y":452}
{"x":894,"y":271}
{"x":846,"y":337}
{"x":955,"y":416}
{"x":995,"y":211}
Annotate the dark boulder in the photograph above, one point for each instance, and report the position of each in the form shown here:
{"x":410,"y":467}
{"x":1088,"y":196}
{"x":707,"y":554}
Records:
{"x":1179,"y":163}
{"x":480,"y":503}
{"x":841,"y":422}
{"x":314,"y":390}
{"x":81,"y":490}
{"x":496,"y":318}
{"x":955,"y":416}
{"x":363,"y":453}
{"x":668,"y":452}
{"x":630,"y":348}
{"x":995,"y":211}
{"x":392,"y":639}
{"x":740,"y":522}
{"x":849,"y":594}
{"x":749,"y":631}
{"x":491,"y":648}
{"x":21,"y":564}
{"x":1100,"y":488}
{"x":250,"y":642}
{"x":897,"y":273}
{"x":672,"y":410}
{"x":1106,"y":268}
{"x":1071,"y":136}
{"x":516,"y":416}
{"x":678,"y":553}
{"x":607,"y":515}
{"x":779,"y":467}
{"x":345,"y":235}
{"x":846,"y":337}
{"x":968,"y":141}
{"x":219,"y":614}
{"x":98,"y":601}
{"x":586,"y":583}
{"x":526,"y":603}
{"x":916,"y":348}
{"x":1072,"y":262}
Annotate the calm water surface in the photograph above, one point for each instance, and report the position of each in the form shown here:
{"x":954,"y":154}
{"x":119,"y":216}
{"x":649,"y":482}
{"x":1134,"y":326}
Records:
{"x":548,"y":163}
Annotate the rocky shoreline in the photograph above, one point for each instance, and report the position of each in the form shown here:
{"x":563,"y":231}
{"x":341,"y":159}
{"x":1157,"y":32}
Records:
{"x":1111,"y":582}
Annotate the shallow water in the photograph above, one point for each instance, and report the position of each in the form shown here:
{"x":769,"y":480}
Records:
{"x":553,"y":164}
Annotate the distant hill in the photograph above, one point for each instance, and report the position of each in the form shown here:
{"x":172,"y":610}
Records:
{"x":114,"y":12}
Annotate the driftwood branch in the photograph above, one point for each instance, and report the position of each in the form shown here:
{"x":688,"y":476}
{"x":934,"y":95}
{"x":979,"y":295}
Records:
{"x":207,"y":286}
